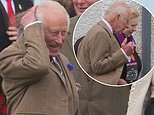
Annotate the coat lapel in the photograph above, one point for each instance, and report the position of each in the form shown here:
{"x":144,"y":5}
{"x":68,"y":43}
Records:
{"x":58,"y":73}
{"x":68,"y":74}
{"x":103,"y":25}
{"x":70,"y":80}
{"x":65,"y":71}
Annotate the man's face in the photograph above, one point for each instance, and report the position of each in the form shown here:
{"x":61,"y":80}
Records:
{"x":81,"y":5}
{"x":55,"y":33}
{"x":121,"y":23}
{"x":131,"y":27}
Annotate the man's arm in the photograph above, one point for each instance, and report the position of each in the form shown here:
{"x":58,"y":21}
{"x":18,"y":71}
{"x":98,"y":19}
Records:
{"x":31,"y":62}
{"x":102,"y":55}
{"x":15,"y":61}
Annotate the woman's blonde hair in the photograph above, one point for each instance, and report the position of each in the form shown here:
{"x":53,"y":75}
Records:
{"x":134,"y":13}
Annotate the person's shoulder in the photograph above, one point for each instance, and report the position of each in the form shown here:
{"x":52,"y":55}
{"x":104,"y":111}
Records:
{"x":98,"y":29}
{"x":73,"y":22}
{"x":75,"y":18}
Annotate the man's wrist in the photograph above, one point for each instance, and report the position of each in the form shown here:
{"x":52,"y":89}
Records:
{"x":128,"y":57}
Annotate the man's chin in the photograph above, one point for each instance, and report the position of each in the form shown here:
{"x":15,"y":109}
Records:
{"x":53,"y":54}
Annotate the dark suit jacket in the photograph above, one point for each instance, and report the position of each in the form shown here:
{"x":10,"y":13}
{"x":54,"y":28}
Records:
{"x":100,"y":55}
{"x":20,"y":6}
{"x":31,"y":83}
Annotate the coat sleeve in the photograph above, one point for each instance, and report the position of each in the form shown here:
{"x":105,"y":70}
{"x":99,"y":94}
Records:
{"x":29,"y":62}
{"x":105,"y":53}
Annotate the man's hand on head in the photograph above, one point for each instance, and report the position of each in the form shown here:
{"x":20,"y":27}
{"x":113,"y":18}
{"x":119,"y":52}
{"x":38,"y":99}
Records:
{"x":29,"y":17}
{"x":12,"y":33}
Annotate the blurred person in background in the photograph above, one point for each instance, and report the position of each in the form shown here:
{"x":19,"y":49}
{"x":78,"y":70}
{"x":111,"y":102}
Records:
{"x":132,"y":69}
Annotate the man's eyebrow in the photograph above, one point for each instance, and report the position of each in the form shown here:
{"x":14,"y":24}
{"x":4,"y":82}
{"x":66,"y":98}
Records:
{"x":53,"y":30}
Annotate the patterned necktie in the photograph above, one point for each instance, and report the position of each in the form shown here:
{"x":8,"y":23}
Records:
{"x":11,"y":15}
{"x":56,"y":64}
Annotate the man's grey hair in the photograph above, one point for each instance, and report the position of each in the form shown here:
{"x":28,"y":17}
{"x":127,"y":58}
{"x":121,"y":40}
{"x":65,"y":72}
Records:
{"x":118,"y":7}
{"x":37,"y":2}
{"x":51,"y":8}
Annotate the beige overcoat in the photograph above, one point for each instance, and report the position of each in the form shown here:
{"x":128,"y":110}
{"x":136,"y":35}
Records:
{"x":100,"y":55}
{"x":33,"y":85}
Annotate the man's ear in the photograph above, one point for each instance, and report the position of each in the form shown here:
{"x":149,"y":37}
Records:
{"x":117,"y":16}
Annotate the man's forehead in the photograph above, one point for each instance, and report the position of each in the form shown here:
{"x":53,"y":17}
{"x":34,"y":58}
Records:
{"x":57,"y":28}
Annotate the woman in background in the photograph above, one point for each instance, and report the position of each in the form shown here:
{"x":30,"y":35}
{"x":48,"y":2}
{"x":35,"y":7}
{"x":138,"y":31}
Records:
{"x":132,"y":69}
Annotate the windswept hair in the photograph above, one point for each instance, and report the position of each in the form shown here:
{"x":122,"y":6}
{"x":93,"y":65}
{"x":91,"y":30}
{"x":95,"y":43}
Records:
{"x":134,"y":13}
{"x":118,"y":7}
{"x":51,"y":8}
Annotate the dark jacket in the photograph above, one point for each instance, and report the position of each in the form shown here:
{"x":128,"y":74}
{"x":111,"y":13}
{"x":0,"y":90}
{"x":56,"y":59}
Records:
{"x":20,"y":6}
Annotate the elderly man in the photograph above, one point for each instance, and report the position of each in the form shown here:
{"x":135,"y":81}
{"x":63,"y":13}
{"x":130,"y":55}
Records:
{"x":36,"y":77}
{"x":99,"y":52}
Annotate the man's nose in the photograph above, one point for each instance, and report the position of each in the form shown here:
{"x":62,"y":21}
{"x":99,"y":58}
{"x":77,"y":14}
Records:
{"x":60,"y":38}
{"x":134,"y":29}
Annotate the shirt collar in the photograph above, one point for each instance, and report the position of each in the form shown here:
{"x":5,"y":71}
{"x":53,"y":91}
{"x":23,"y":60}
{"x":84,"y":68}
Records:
{"x":108,"y":25}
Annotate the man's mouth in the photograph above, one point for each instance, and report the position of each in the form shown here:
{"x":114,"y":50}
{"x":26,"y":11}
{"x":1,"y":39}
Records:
{"x":82,"y":9}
